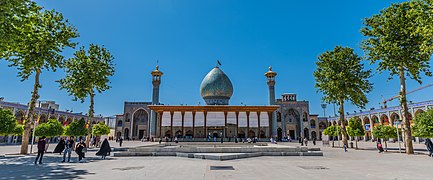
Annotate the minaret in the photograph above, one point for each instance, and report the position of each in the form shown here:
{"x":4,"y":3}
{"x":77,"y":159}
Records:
{"x":270,"y":76}
{"x":156,"y":81}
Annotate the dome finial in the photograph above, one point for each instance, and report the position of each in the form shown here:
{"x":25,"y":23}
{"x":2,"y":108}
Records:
{"x":218,"y":63}
{"x":270,"y":68}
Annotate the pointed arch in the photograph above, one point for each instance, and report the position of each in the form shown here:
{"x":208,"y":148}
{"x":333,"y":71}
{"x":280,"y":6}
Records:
{"x":43,"y":118}
{"x":384,"y":120}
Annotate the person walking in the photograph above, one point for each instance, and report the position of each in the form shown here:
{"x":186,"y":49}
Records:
{"x":345,"y":147}
{"x":105,"y":149}
{"x":69,"y":146}
{"x":80,"y":149}
{"x":314,"y":141}
{"x":120,"y":141}
{"x":429,"y":146}
{"x":41,"y":149}
{"x":60,"y":147}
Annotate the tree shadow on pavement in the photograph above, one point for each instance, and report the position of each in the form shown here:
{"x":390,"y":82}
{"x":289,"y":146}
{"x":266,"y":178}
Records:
{"x":24,"y":168}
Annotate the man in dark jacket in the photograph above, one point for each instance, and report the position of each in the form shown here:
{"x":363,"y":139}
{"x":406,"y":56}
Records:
{"x":41,"y":149}
{"x":69,"y":146}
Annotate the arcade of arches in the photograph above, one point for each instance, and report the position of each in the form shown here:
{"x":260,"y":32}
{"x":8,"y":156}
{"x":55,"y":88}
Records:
{"x":213,"y":121}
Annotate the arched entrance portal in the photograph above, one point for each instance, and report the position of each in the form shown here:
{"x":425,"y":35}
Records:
{"x":140,"y":120}
{"x":119,"y":134}
{"x":251,"y":134}
{"x":313,"y":135}
{"x":279,"y":134}
{"x":262,"y":134}
{"x":126,"y":133}
{"x":168,"y":134}
{"x":241,"y":134}
{"x":306,"y":133}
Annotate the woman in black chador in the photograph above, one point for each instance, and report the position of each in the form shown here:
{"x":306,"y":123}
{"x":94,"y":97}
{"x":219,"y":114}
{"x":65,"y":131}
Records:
{"x":429,"y":145}
{"x":60,"y":146}
{"x":81,"y":149}
{"x":105,"y":149}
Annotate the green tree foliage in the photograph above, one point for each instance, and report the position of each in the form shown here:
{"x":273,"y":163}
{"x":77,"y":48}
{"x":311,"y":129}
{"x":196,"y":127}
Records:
{"x":51,"y":128}
{"x":423,"y":124}
{"x":400,"y":40}
{"x":76,"y":128}
{"x":332,"y":131}
{"x":36,"y":44}
{"x":100,"y":129}
{"x":86,"y":73}
{"x":13,"y":20}
{"x":341,"y":77}
{"x":385,"y":132}
{"x":9,"y":124}
{"x":355,"y":129}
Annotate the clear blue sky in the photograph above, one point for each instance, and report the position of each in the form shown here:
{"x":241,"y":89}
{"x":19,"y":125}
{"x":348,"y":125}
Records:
{"x":189,"y":36}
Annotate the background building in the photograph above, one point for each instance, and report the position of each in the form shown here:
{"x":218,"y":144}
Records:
{"x":280,"y":119}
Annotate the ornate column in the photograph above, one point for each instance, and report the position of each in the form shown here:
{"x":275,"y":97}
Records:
{"x":237,"y":124}
{"x":258,"y":123}
{"x":248,"y":125}
{"x":156,"y":81}
{"x":225,"y":125}
{"x":193,"y":124}
{"x":160,"y":124}
{"x":205,"y":119}
{"x":171,"y":124}
{"x":183,"y":124}
{"x":270,"y":75}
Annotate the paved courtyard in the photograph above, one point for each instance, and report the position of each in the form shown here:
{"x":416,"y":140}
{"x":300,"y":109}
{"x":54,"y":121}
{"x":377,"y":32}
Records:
{"x":335,"y":164}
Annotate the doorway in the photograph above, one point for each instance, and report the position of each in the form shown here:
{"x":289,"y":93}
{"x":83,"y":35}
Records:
{"x":279,"y":134}
{"x":140,"y":134}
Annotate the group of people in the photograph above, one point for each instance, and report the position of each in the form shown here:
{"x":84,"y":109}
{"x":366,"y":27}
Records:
{"x":67,"y":146}
{"x":305,"y":141}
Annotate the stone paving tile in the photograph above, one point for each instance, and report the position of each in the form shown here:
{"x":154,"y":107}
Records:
{"x":335,"y":164}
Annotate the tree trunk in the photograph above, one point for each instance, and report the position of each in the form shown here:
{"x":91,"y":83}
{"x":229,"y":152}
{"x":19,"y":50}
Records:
{"x":404,"y":113}
{"x":343,"y":127}
{"x":91,"y":114}
{"x":386,"y":146}
{"x":333,"y":138}
{"x":28,"y":121}
{"x":356,"y":143}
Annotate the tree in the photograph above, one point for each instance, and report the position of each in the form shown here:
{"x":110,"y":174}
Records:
{"x":355,"y":129}
{"x":400,"y":41}
{"x":332,"y":131}
{"x":42,"y":38}
{"x":423,"y":124}
{"x":13,"y":19}
{"x":341,"y":77}
{"x":76,"y":128}
{"x":100,"y":129}
{"x":86,"y":73}
{"x":9,"y":124}
{"x":51,"y":128}
{"x":385,"y":132}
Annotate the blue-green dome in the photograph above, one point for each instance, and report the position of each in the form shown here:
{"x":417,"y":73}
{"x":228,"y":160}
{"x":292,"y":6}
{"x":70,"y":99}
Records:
{"x":216,"y":88}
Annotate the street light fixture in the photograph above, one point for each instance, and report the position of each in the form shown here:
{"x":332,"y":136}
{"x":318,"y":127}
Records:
{"x":324,"y":109}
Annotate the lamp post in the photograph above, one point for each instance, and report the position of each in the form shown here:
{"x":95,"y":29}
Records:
{"x":324,"y":109}
{"x":33,"y":135}
{"x":398,"y":135}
